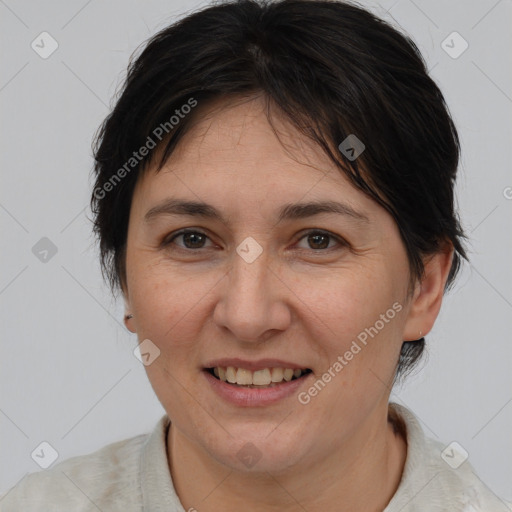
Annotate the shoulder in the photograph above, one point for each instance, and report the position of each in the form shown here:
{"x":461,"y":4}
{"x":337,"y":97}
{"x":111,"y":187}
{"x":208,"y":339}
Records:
{"x":108,"y":479}
{"x":453,"y":475}
{"x":439,"y":477}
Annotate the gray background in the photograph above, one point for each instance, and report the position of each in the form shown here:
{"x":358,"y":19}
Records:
{"x":68,"y":374}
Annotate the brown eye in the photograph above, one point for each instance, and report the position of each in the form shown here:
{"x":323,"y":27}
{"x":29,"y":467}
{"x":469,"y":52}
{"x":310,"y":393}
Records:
{"x":321,"y":240}
{"x":190,"y":240}
{"x":193,"y":240}
{"x":318,"y":241}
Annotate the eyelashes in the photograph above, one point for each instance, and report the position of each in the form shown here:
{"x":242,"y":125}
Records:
{"x":196,"y":238}
{"x":186,"y":232}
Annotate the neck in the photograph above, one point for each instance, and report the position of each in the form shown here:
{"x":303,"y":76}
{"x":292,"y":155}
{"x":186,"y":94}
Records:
{"x":361,"y":474}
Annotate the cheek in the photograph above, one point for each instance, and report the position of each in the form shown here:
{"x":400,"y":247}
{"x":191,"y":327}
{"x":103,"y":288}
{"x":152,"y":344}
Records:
{"x":168,"y":303}
{"x":357,"y":317}
{"x":346,"y":302}
{"x":170,"y":311}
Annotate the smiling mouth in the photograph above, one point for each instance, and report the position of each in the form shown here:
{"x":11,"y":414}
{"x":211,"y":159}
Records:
{"x":264,"y":378}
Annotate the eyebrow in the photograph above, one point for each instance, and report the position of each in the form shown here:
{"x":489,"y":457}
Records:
{"x":287,"y":212}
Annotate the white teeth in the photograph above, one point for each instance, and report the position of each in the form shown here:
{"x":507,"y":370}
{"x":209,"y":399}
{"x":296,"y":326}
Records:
{"x":277,"y":374}
{"x":261,"y":377}
{"x":231,"y":374}
{"x":243,"y":377}
{"x":264,"y":377}
{"x":288,"y":374}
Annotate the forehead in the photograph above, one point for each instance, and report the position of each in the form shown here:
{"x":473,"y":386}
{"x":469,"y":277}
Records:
{"x":235,"y":140}
{"x":233,"y":156}
{"x":244,"y":130}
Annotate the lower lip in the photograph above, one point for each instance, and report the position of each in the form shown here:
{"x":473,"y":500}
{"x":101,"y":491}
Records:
{"x":254,"y":397}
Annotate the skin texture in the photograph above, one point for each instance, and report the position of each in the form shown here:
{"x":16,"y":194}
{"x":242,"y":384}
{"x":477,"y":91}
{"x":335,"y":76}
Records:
{"x":298,"y":301}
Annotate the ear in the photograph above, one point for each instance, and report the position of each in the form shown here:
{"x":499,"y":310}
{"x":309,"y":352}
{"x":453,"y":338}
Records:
{"x":428,"y":295}
{"x":128,"y":315}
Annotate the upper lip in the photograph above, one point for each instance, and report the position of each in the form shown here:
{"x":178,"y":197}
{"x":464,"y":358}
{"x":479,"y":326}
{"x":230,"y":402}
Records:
{"x":260,"y":364}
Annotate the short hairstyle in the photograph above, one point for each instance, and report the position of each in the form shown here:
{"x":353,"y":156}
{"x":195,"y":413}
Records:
{"x":332,"y":69}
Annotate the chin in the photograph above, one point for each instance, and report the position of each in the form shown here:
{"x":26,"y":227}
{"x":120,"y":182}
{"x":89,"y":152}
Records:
{"x":251,"y":452}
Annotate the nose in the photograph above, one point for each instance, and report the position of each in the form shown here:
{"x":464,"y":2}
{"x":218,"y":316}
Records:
{"x":253,"y":301}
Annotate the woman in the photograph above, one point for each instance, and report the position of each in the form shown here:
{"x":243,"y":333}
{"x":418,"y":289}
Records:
{"x":274,"y":198}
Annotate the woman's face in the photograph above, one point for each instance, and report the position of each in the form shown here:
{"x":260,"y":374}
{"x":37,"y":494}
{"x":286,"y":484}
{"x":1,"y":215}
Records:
{"x":272,"y":286}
